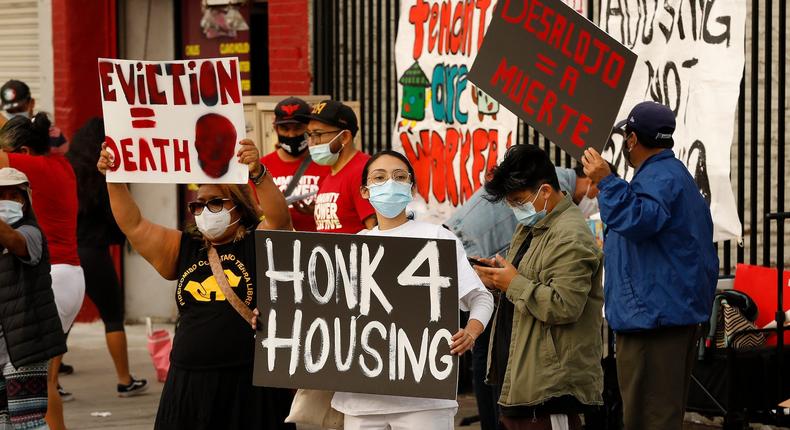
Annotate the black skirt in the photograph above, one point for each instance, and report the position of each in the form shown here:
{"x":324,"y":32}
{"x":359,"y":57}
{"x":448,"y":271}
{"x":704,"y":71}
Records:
{"x":220,"y":399}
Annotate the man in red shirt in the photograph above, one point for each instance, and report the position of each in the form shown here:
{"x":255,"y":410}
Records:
{"x":290,"y":157}
{"x":339,"y":206}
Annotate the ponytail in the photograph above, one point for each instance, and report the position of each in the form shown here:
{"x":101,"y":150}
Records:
{"x":20,"y":131}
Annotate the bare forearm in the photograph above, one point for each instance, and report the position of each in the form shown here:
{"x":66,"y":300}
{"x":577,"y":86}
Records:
{"x":275,"y":209}
{"x":475,"y":328}
{"x":124,"y":208}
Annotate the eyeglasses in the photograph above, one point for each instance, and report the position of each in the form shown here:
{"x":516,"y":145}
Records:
{"x":214,"y":205}
{"x":514,"y":204}
{"x":316,"y":135}
{"x":380,"y":176}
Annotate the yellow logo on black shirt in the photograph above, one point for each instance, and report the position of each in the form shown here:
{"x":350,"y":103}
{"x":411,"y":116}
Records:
{"x":208,"y":290}
{"x":202,"y":291}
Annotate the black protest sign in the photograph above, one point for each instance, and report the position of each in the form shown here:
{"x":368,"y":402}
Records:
{"x":356,"y":313}
{"x":556,"y":70}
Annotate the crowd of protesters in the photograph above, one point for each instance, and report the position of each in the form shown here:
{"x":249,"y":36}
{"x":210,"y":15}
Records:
{"x":534,"y":287}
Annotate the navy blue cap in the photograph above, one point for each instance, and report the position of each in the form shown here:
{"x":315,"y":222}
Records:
{"x":654,"y":123}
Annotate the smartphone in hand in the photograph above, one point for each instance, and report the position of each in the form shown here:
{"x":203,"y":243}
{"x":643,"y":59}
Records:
{"x":476,"y":262}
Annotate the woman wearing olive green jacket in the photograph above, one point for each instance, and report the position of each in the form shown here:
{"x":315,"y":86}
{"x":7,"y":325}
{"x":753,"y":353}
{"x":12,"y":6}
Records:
{"x":545,"y":348}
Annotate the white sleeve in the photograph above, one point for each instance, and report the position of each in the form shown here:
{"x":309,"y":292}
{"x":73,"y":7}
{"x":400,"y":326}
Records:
{"x":480,"y":304}
{"x":472,"y":294}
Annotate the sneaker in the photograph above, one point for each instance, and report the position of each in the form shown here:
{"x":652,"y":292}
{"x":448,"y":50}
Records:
{"x":65,"y":396}
{"x":65,"y":369}
{"x":137,"y":386}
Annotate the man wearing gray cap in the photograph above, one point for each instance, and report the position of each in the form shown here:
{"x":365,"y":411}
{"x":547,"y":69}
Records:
{"x":661,"y":268}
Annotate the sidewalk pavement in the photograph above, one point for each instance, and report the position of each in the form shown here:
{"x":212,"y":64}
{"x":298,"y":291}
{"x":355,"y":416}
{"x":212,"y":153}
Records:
{"x":93,"y":383}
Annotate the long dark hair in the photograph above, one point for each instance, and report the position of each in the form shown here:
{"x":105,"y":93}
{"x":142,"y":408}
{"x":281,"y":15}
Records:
{"x":33,"y":133}
{"x":83,"y":155}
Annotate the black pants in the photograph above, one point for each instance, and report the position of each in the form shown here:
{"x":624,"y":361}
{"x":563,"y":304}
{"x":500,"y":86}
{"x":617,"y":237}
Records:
{"x":654,"y":370}
{"x":220,"y":399}
{"x":101,"y":285}
{"x":486,"y":395}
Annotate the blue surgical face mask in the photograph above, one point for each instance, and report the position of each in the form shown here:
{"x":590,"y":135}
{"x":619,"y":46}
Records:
{"x":526,"y":213}
{"x":323,"y":155}
{"x":11,"y":211}
{"x":390,"y":198}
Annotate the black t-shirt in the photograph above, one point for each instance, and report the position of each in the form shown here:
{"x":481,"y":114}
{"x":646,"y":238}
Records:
{"x":504,"y":321}
{"x":210,"y":333}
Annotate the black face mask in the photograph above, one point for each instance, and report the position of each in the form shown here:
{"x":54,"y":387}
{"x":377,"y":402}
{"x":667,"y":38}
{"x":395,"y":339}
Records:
{"x":295,"y":145}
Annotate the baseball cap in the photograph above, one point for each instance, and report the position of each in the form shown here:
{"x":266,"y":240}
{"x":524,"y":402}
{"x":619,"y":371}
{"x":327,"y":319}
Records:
{"x":653,"y":121}
{"x":13,"y":93}
{"x":10,"y":176}
{"x":291,"y":111}
{"x":335,"y":113}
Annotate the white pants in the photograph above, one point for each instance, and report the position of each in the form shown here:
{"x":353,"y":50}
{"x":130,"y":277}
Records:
{"x":68,"y":285}
{"x":437,"y":419}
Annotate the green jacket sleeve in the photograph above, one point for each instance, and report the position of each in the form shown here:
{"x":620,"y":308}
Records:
{"x":567,"y":273}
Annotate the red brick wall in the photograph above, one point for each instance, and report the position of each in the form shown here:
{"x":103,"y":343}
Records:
{"x":76,"y":46}
{"x":289,"y":47}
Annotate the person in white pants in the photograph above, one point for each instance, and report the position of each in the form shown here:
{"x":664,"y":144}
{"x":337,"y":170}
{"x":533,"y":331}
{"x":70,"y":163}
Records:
{"x":388,"y":183}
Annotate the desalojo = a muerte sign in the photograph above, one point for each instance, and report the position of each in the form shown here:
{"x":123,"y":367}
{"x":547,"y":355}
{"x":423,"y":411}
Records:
{"x":173,"y":121}
{"x":556,"y":70}
{"x":356,"y":313}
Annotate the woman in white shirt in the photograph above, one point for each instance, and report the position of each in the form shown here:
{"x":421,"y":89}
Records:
{"x":388,"y":183}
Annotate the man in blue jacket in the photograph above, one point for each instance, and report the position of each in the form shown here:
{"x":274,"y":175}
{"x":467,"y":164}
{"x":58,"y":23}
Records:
{"x":661,"y":268}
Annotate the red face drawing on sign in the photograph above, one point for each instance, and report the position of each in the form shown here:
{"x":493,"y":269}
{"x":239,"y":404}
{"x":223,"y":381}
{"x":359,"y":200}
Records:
{"x":215,"y":141}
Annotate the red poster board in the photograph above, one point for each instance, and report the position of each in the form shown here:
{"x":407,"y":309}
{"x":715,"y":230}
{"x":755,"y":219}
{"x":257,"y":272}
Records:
{"x":760,"y":284}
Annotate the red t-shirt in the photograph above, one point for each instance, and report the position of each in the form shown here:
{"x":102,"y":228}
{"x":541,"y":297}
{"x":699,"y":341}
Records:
{"x":282,"y":171}
{"x":339,"y":206}
{"x":54,"y":194}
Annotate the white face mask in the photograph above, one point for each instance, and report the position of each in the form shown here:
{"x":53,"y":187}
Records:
{"x":213,"y":225}
{"x":588,"y":205}
{"x":11,"y":211}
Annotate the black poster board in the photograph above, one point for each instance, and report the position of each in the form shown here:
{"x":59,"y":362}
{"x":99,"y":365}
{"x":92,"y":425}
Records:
{"x":397,"y":296}
{"x":556,"y":70}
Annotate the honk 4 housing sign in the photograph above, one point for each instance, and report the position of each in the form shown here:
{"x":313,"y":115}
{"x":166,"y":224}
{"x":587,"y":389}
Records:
{"x":356,"y":313}
{"x":173,"y":121}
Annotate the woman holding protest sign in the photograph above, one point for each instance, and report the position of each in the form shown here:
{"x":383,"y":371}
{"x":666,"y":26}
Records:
{"x":209,"y":385}
{"x":388,"y":183}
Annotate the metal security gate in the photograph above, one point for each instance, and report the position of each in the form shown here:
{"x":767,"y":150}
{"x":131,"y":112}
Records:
{"x":353,"y":59}
{"x":26,"y":49}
